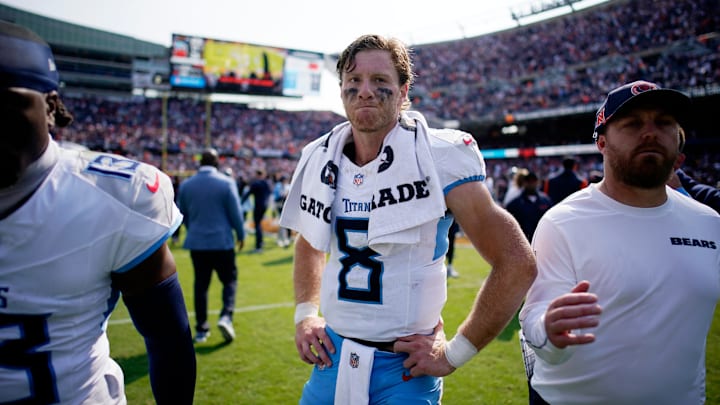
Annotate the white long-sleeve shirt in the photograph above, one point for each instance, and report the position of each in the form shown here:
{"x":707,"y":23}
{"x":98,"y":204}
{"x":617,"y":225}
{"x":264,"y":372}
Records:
{"x":656,"y":272}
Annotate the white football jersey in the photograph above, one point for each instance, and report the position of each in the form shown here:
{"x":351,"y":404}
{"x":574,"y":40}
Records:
{"x":93,"y":215}
{"x":399,"y":289}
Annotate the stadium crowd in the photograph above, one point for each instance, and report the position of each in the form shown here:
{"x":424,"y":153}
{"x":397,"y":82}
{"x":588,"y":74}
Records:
{"x":246,"y":139}
{"x":674,"y":44}
{"x":568,"y":61}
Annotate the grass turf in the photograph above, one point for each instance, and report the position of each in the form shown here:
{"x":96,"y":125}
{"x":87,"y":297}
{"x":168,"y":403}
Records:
{"x":262,"y":367}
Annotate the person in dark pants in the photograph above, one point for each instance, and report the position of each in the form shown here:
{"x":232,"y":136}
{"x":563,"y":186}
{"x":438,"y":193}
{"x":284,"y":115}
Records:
{"x":210,"y":202}
{"x":261,"y":191}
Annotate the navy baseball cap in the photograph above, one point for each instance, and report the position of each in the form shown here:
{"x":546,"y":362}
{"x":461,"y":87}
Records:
{"x":27,"y":60}
{"x":640,"y":93}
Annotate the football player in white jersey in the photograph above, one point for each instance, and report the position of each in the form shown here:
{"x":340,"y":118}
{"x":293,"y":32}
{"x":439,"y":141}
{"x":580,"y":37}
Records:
{"x":628,"y":269}
{"x":372,"y":202}
{"x":76,"y":230}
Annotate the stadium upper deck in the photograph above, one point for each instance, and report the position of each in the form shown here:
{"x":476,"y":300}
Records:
{"x":481,"y":84}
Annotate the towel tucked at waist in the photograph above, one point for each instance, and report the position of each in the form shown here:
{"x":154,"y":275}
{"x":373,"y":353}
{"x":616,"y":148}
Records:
{"x":354,"y":370}
{"x":308,"y":206}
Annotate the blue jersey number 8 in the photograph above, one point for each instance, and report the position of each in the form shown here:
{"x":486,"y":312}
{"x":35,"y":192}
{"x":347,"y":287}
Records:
{"x":354,"y":257}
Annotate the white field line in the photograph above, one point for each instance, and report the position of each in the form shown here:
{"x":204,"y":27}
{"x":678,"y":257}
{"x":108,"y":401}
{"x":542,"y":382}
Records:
{"x":251,"y":308}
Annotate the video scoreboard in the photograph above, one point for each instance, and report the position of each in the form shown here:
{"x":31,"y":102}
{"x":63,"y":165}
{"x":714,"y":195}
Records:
{"x":218,"y":66}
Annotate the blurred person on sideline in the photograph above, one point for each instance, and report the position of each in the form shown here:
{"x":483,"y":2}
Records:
{"x":515,"y":177}
{"x":79,"y":229}
{"x":530,"y":205}
{"x":210,"y":202}
{"x":565,"y":182}
{"x":450,"y":255}
{"x":175,"y":239}
{"x":245,"y":206}
{"x":377,"y":195}
{"x":628,"y":270}
{"x":680,"y":181}
{"x":280,"y":192}
{"x":703,"y":193}
{"x":260,"y":190}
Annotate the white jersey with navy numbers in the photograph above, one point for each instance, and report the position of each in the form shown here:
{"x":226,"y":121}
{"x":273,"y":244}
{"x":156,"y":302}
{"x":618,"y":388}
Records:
{"x":93,"y":215}
{"x":399,"y":289}
{"x":656,"y":273}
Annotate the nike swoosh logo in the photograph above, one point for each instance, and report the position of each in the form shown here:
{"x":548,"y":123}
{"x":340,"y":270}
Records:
{"x":467,"y":140}
{"x":406,"y":377}
{"x":155,"y":186}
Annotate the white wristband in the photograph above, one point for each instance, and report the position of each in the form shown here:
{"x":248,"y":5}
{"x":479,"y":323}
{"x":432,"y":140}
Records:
{"x":305,"y":310}
{"x":459,"y":350}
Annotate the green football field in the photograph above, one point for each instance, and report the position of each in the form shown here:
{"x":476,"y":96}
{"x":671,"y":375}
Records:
{"x":262,"y":367}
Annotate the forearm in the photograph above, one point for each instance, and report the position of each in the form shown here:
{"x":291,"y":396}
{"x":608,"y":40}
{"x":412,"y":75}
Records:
{"x":497,"y":302}
{"x":307,"y":272}
{"x":556,"y":277}
{"x":498,"y":238}
{"x":160,"y":316}
{"x":532,"y":322}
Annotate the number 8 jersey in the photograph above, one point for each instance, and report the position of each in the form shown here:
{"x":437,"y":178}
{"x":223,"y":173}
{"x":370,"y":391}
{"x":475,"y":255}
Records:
{"x":93,"y":215}
{"x":398,"y":289}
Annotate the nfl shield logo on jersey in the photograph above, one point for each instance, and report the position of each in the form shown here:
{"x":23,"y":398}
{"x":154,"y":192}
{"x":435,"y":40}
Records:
{"x":354,"y":360}
{"x":358,"y":179}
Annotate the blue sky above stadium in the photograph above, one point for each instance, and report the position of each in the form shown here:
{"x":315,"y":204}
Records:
{"x":316,"y":25}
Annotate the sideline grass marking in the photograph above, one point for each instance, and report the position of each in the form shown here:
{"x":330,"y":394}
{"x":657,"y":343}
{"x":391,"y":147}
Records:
{"x":250,"y":308}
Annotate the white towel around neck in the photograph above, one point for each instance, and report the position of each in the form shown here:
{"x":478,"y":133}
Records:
{"x":308,"y":206}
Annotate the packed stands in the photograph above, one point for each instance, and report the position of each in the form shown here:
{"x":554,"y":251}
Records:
{"x":247,"y":139}
{"x":570,"y":60}
{"x":548,"y":78}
